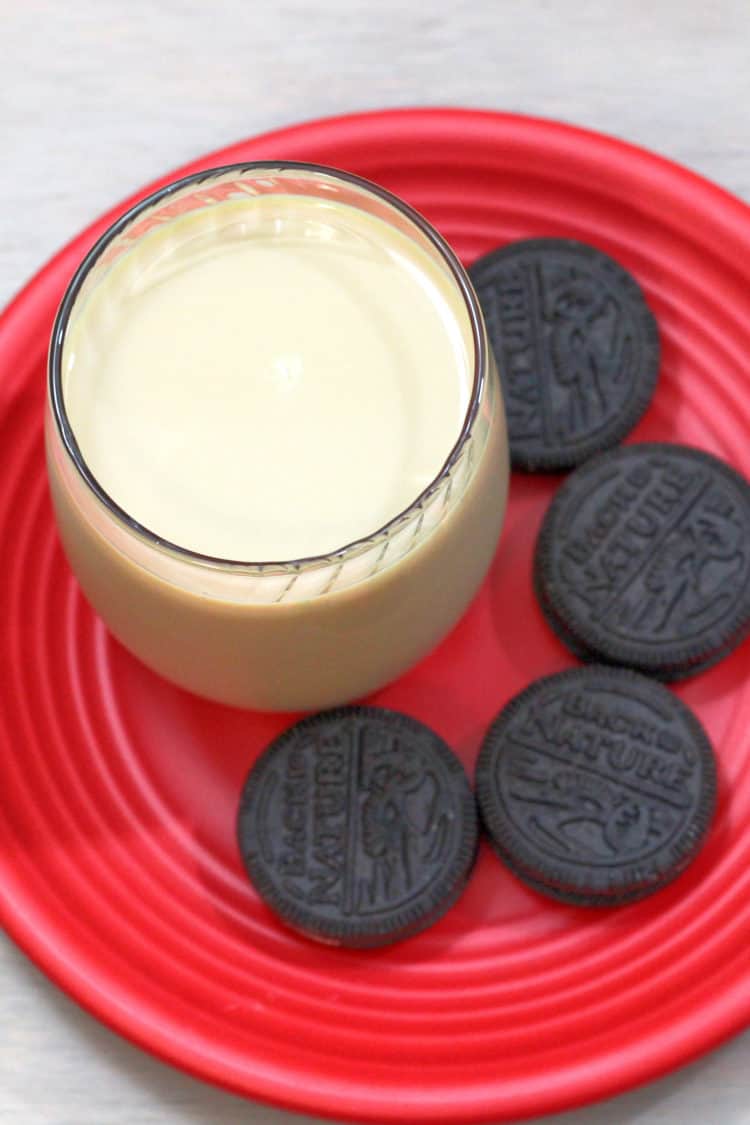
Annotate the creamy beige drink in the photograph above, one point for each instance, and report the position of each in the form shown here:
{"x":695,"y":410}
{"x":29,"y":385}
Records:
{"x":278,"y":472}
{"x":280,"y":377}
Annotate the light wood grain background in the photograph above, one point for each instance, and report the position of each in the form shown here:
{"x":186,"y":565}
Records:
{"x":100,"y":96}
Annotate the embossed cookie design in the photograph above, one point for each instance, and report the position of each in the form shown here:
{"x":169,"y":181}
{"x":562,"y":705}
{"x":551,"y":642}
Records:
{"x":358,"y":826}
{"x":577,"y":348}
{"x":643,"y":559}
{"x":597,"y":786}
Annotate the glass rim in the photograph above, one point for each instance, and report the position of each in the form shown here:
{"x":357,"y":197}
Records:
{"x":67,"y":304}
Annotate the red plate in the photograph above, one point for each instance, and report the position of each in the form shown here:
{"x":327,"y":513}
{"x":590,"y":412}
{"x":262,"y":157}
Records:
{"x":118,"y":868}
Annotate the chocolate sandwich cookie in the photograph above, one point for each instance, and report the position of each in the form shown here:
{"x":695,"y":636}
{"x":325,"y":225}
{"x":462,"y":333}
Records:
{"x":643,"y":559}
{"x":358,"y":826}
{"x":576,"y":345}
{"x":597,"y":786}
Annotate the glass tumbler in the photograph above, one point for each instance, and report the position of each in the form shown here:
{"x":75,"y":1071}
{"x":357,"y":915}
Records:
{"x":297,"y":634}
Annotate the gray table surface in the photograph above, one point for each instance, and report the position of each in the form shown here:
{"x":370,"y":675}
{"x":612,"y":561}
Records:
{"x":99,"y":96}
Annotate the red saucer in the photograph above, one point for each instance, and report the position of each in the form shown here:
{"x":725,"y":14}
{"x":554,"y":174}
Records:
{"x":118,"y":868}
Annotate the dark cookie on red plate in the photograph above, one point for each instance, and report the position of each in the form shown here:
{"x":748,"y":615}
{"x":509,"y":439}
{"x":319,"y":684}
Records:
{"x":577,"y":348}
{"x":597,"y":786}
{"x":358,"y":826}
{"x":643,"y":559}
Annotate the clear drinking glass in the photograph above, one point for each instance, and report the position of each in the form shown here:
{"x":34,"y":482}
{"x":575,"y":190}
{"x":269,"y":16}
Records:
{"x":296,"y":634}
